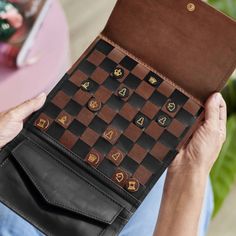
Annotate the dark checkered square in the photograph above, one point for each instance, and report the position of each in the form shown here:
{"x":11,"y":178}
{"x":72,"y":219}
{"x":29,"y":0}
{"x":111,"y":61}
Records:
{"x":69,"y":88}
{"x":128,"y":63}
{"x":132,"y":81}
{"x":104,"y":47}
{"x":52,"y":110}
{"x":77,"y":128}
{"x":87,"y":67}
{"x":73,"y":108}
{"x":81,"y":149}
{"x":129,"y":165}
{"x":108,"y":65}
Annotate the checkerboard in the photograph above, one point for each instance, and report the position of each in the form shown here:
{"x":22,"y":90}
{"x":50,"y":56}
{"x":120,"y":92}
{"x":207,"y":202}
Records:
{"x":118,"y":116}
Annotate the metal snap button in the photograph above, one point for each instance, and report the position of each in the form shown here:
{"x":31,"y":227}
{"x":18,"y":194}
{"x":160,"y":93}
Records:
{"x":191,"y":7}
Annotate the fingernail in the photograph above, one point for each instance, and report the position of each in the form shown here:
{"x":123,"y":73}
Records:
{"x":41,"y":95}
{"x":217,"y":97}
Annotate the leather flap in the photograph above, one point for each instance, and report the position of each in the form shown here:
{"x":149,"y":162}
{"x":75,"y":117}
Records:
{"x":62,"y":187}
{"x":192,"y":45}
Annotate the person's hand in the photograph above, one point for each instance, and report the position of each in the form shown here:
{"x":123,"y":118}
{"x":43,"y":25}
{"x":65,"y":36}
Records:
{"x":204,"y":147}
{"x":11,"y":122}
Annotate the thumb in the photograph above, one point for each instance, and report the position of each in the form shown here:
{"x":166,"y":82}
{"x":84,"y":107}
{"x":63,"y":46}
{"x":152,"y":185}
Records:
{"x":22,"y":111}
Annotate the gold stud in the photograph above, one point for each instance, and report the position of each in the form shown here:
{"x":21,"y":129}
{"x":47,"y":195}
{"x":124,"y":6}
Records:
{"x":191,"y":6}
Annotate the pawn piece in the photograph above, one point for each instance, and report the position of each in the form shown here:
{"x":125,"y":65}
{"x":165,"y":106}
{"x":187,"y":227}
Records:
{"x":163,"y":120}
{"x":123,"y":92}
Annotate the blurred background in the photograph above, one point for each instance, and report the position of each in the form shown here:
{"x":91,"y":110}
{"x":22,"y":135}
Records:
{"x":85,"y":23}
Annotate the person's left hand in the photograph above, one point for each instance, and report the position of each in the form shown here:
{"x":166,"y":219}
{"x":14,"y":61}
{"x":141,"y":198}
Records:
{"x":11,"y":122}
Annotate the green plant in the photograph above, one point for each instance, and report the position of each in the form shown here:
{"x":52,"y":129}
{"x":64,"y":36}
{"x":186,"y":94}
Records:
{"x":223,"y":174}
{"x":227,"y":6}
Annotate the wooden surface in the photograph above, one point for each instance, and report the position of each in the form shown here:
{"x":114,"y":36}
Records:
{"x":86,"y":18}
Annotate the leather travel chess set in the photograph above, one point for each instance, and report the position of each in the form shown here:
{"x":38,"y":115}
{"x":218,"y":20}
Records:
{"x":84,"y":163}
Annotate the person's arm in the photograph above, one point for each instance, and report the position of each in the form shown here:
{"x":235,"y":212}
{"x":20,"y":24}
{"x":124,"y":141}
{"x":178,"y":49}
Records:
{"x":11,"y":122}
{"x":187,"y":176}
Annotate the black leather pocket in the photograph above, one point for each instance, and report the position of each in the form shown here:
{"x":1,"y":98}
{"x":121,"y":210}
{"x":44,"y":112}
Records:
{"x":62,"y":187}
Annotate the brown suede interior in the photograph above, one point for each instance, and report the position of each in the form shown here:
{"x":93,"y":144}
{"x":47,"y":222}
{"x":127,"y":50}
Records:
{"x":194,"y":49}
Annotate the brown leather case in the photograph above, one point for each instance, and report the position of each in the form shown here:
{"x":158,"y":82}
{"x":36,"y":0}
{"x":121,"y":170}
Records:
{"x":85,"y":162}
{"x":193,"y":48}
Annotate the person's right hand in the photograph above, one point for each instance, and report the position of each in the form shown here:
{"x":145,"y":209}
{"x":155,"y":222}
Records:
{"x":204,"y":147}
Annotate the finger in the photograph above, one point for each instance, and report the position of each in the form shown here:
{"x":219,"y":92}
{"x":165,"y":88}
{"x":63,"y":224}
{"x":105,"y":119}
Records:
{"x":22,"y":111}
{"x":223,"y":116}
{"x":212,"y":109}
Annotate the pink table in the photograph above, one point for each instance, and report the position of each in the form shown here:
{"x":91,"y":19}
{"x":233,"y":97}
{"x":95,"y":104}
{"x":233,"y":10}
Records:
{"x":52,"y":49}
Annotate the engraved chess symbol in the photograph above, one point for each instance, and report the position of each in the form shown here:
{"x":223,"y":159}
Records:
{"x":171,"y":107}
{"x":118,"y":72}
{"x":116,"y":156}
{"x":85,"y":85}
{"x":63,"y":120}
{"x":42,"y":123}
{"x":92,"y":158}
{"x":163,"y":120}
{"x":140,"y":121}
{"x":119,"y":177}
{"x":152,"y":81}
{"x":123,"y":92}
{"x":109,"y":135}
{"x":94,"y":105}
{"x":132,"y":186}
